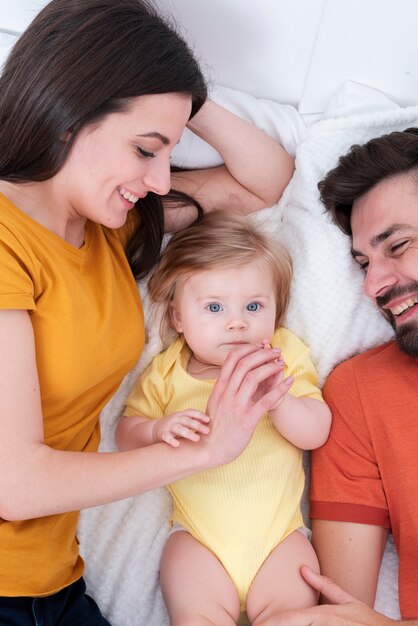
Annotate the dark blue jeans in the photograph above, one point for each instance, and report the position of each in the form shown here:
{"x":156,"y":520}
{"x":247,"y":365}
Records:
{"x":69,"y":607}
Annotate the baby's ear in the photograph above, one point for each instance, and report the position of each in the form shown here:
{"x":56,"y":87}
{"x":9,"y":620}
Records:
{"x":175,"y":317}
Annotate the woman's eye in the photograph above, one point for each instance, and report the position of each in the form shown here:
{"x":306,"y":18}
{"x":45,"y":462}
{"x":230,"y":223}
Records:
{"x":214,"y":307}
{"x":253,"y":306}
{"x":144,"y":153}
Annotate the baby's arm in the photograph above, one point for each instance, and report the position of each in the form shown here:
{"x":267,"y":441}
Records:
{"x":305,"y":422}
{"x":138,"y":431}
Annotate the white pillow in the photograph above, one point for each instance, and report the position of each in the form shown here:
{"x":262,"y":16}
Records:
{"x":280,"y":121}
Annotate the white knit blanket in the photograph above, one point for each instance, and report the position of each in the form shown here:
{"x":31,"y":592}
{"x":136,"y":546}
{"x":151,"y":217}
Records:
{"x":122,"y":542}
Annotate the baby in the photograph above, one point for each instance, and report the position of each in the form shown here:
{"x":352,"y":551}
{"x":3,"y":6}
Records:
{"x":237,"y":539}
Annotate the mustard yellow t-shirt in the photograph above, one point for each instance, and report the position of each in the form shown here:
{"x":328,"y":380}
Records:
{"x":88,"y":326}
{"x":242,"y":510}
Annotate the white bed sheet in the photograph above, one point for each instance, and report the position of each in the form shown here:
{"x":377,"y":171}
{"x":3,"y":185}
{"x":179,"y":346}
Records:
{"x":122,"y":542}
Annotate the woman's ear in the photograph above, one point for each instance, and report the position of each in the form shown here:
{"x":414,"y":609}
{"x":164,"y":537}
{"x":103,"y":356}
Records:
{"x":175,"y":317}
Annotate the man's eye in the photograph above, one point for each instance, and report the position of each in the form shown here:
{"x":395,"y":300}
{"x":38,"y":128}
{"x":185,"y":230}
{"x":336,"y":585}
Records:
{"x":363,"y":263}
{"x":214,"y":307}
{"x":398,"y":247}
{"x":253,"y":306}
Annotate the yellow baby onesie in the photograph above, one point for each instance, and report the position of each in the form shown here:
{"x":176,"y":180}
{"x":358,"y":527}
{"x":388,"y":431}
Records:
{"x":240,"y":511}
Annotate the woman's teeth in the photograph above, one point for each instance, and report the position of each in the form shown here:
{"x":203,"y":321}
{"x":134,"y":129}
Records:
{"x":128,"y":196}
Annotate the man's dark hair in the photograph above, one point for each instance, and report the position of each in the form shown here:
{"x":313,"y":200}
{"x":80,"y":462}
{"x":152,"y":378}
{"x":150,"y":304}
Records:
{"x":363,"y":167}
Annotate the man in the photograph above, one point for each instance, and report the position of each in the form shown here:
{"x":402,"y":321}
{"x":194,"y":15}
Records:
{"x":364,"y":480}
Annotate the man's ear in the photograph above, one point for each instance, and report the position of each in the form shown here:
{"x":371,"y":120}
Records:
{"x":175,"y":317}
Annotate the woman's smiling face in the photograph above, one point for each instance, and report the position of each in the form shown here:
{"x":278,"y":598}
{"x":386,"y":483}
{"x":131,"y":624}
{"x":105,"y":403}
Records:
{"x":118,"y":160}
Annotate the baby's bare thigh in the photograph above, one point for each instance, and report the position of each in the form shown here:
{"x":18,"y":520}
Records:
{"x":278,"y":585}
{"x":195,"y":586}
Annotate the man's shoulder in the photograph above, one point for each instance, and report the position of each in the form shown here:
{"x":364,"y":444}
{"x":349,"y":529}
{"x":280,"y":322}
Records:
{"x":368,"y":370}
{"x":380,"y":356}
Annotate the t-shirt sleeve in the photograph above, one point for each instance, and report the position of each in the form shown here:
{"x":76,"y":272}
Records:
{"x":298,"y":364}
{"x":149,"y":394}
{"x":345,"y":479}
{"x":16,"y":283}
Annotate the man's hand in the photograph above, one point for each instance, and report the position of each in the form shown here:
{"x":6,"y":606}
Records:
{"x":344,"y":610}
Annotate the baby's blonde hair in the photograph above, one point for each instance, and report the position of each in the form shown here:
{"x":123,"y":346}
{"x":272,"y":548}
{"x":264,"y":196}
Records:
{"x":219,"y":240}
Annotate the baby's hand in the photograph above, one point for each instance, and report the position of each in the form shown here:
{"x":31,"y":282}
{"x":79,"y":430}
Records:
{"x":187,"y":424}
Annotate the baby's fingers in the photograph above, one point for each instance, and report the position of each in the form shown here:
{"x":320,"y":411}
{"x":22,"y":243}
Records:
{"x":196,"y":416}
{"x":176,"y":432}
{"x":185,"y":432}
{"x":190,"y":424}
{"x":167,"y":437}
{"x":195,"y":421}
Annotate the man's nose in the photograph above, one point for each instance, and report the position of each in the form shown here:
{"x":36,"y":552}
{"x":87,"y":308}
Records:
{"x":379,"y":278}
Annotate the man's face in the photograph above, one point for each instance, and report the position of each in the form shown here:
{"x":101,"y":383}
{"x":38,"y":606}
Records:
{"x":384,"y":224}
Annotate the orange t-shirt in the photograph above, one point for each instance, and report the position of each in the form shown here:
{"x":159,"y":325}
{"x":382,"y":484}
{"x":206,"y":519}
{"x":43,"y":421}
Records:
{"x":367,"y":470}
{"x":88,"y":326}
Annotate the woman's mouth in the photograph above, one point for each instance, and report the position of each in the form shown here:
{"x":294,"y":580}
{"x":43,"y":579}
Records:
{"x":127,"y":195}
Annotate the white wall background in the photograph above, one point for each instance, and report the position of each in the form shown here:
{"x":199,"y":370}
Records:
{"x":292,"y":51}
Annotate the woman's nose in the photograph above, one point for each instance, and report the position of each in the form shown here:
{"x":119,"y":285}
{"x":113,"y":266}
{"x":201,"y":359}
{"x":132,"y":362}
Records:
{"x":158,"y":176}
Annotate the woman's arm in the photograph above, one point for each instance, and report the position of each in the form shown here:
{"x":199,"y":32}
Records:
{"x":256,"y":171}
{"x":37,"y":480}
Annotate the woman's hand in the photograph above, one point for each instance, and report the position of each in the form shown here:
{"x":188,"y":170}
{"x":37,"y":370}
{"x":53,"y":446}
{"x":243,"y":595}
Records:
{"x":237,"y":401}
{"x":188,"y":424}
{"x":276,"y":380}
{"x":257,"y":169}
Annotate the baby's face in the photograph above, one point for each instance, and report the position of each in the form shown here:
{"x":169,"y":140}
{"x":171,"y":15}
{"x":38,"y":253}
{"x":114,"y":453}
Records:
{"x":218,"y":309}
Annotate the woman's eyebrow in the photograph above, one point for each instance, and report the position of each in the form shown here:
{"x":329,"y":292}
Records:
{"x":156,"y":135}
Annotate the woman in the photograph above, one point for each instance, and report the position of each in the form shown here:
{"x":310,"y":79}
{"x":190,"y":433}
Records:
{"x":93,"y":98}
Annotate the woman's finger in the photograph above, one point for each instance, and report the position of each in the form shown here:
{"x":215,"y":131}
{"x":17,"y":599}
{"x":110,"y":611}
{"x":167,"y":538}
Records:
{"x":249,"y":363}
{"x":252,"y":381}
{"x":228,"y":368}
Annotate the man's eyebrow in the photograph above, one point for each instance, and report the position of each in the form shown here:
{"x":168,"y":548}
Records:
{"x":155,"y":135}
{"x":381,"y":237}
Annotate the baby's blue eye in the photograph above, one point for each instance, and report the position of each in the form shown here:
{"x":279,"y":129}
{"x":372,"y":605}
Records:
{"x":253,"y":306}
{"x":214,"y":307}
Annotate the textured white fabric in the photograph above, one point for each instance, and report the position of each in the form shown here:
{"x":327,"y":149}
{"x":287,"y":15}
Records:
{"x":122,"y":542}
{"x":281,"y":121}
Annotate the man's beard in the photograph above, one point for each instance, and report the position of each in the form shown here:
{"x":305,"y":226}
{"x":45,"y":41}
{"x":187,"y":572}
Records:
{"x":407,"y":338}
{"x":407,"y":333}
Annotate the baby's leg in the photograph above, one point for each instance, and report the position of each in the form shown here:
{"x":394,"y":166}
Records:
{"x":196,"y":588}
{"x":278,"y":585}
